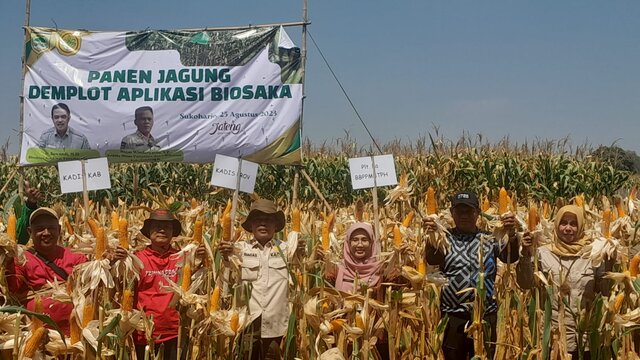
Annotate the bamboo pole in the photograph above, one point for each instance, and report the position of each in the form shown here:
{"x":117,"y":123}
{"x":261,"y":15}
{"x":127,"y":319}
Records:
{"x":317,"y":191}
{"x":376,"y":214}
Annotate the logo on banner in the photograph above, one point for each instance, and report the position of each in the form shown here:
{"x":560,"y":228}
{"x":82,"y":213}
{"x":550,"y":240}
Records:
{"x":68,"y":43}
{"x":225,"y":128}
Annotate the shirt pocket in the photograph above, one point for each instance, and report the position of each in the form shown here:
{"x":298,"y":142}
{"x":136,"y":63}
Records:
{"x":277,"y":269}
{"x":250,"y":268}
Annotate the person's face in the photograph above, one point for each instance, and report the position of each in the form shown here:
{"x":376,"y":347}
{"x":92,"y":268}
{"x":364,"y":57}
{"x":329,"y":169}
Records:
{"x":44,"y":232}
{"x":465,"y":217}
{"x":568,"y":228}
{"x":360,"y":245}
{"x":160,"y":234}
{"x":60,"y":120}
{"x":144,"y":121}
{"x":263,"y":228}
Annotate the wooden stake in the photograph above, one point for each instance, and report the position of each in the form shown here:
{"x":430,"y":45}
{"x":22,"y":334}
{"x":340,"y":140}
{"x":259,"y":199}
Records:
{"x":317,"y":191}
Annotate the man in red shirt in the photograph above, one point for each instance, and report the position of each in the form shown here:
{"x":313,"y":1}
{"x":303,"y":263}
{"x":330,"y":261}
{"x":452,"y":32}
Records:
{"x":46,"y":261}
{"x":160,"y":228}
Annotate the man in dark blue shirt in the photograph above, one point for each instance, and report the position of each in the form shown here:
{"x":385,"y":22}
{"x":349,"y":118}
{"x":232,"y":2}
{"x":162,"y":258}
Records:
{"x":461,"y":266}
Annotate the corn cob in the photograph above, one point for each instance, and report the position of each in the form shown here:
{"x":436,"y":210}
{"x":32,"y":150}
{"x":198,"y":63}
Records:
{"x":359,"y":321}
{"x":226,"y":227}
{"x":533,"y":220}
{"x":123,"y":233}
{"x":579,"y":200}
{"x":546,"y":211}
{"x":127,"y":299}
{"x":87,"y":313}
{"x":100,"y":243}
{"x":67,"y":224}
{"x":234,"y":322}
{"x":295,"y":220}
{"x":326,"y":229}
{"x":407,"y":220}
{"x":632,"y":194}
{"x":397,"y":236}
{"x":197,"y":231}
{"x":186,"y":277}
{"x":115,"y":221}
{"x":194,"y":203}
{"x":34,"y":342}
{"x":12,"y":225}
{"x":634,"y":264}
{"x":214,"y":301}
{"x":606,"y":223}
{"x":485,"y":205}
{"x":619,"y":206}
{"x":337,"y":324}
{"x":75,"y":331}
{"x":422,"y":267}
{"x":93,"y":226}
{"x":37,"y":308}
{"x":432,"y":206}
{"x":503,"y":202}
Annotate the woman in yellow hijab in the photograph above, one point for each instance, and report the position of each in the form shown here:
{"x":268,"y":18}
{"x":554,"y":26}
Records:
{"x":573,"y":276}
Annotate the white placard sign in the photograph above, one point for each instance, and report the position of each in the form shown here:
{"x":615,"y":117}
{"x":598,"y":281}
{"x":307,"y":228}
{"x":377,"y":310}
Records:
{"x":96,"y":170}
{"x":225,"y":169}
{"x":362,"y":171}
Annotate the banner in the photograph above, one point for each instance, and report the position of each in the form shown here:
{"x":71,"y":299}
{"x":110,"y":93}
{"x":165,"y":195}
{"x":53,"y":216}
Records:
{"x":181,"y":95}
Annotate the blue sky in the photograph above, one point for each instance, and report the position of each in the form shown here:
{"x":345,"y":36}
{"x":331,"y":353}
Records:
{"x":524,"y":69}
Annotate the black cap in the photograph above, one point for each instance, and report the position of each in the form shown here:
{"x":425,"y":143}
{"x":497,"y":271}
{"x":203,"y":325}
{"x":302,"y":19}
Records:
{"x":468,"y":198}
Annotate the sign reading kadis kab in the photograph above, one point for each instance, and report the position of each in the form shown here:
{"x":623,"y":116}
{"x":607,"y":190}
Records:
{"x":181,"y":95}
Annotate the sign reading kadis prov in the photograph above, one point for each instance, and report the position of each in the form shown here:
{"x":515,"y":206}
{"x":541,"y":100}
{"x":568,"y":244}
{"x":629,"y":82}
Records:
{"x":179,"y":95}
{"x":225,"y":173}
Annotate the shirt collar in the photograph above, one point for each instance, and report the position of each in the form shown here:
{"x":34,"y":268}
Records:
{"x":143,"y":136}
{"x":65,"y":135}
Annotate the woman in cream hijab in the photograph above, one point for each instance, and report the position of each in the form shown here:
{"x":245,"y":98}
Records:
{"x":571,"y":274}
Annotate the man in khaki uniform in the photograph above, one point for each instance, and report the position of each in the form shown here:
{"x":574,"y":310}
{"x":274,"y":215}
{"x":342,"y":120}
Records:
{"x":264,"y":266}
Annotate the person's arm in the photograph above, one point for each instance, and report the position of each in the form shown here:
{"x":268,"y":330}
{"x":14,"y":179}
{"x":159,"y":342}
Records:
{"x":524,"y":269}
{"x":33,"y":197}
{"x":510,"y":253}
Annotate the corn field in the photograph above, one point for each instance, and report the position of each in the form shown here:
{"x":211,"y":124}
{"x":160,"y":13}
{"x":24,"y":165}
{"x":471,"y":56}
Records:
{"x":531,"y":182}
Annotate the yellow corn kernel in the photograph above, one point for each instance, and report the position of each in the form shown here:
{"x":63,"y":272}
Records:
{"x":227,"y":209}
{"x":299,"y":278}
{"x":194,"y":203}
{"x":100,"y":243}
{"x":432,"y":206}
{"x":295,"y":220}
{"x":214,"y":301}
{"x":34,"y":342}
{"x":197,"y":231}
{"x":234,"y":322}
{"x":226,"y":227}
{"x":123,"y":233}
{"x":407,"y":220}
{"x":115,"y":221}
{"x":397,"y":236}
{"x":633,"y":265}
{"x":503,"y":202}
{"x":87,"y":313}
{"x":93,"y":226}
{"x":533,"y":219}
{"x":127,"y":299}
{"x":186,"y":277}
{"x":606,"y":223}
{"x":12,"y":225}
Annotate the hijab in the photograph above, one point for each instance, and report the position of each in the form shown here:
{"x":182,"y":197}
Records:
{"x":561,"y":248}
{"x":366,"y":271}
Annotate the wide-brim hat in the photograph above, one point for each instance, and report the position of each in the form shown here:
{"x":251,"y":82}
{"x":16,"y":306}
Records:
{"x":161,"y":215}
{"x":266,"y":207}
